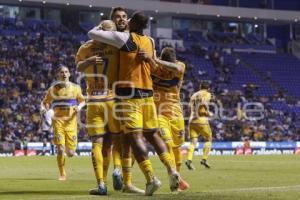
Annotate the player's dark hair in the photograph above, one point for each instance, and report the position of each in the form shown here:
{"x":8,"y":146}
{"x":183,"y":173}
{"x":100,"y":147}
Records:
{"x":140,"y":20}
{"x":204,"y":85}
{"x":116,"y":9}
{"x":168,"y":54}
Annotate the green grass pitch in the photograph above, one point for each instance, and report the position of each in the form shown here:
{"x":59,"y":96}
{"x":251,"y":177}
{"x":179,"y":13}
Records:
{"x":231,"y":177}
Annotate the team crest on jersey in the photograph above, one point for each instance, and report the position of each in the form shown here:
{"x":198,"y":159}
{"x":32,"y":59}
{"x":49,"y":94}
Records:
{"x":181,"y":133}
{"x":74,"y":138}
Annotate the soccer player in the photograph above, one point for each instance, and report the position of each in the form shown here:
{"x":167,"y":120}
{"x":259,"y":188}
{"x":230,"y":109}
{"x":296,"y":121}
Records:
{"x":167,"y":83}
{"x":66,"y":100}
{"x":120,"y":18}
{"x":135,"y":90}
{"x":47,"y":130}
{"x":99,"y":62}
{"x":199,"y":124}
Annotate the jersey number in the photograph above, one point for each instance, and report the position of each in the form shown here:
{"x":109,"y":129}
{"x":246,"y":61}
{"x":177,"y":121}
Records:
{"x":104,"y":70}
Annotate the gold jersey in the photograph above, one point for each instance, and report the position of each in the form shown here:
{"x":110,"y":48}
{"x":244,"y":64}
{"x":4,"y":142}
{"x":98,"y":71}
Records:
{"x":100,"y":78}
{"x":199,"y":104}
{"x":63,"y":99}
{"x":133,"y":70}
{"x":167,"y":84}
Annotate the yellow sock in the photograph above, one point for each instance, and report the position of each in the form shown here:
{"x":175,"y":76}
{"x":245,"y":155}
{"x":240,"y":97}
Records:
{"x":61,"y":164}
{"x":166,"y":159}
{"x":170,"y":150}
{"x":190,"y":152}
{"x":206,"y":150}
{"x":147,"y":170}
{"x":178,"y":157}
{"x":126,"y":171}
{"x":97,"y":159}
{"x":116,"y":155}
{"x":106,"y":161}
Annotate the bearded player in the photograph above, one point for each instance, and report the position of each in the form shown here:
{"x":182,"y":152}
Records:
{"x":136,"y":94}
{"x":99,"y":62}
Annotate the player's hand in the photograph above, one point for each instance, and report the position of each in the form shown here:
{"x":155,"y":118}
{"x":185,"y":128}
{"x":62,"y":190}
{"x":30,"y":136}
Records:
{"x":44,"y":108}
{"x":76,"y":109}
{"x":43,"y":111}
{"x":143,"y":55}
{"x":95,"y":60}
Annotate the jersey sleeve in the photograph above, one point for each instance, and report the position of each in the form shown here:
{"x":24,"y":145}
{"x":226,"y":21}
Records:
{"x":114,"y":38}
{"x":153,"y":46}
{"x":49,"y":97}
{"x":121,"y":40}
{"x":80,"y":97}
{"x":81,"y":54}
{"x":181,"y":73}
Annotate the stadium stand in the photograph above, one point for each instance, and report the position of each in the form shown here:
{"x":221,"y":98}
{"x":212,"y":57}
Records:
{"x":26,"y":72}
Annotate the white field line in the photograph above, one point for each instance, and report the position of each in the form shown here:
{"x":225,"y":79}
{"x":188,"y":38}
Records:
{"x":255,"y":189}
{"x":257,"y":161}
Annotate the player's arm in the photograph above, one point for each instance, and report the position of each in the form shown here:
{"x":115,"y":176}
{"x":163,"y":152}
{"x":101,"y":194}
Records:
{"x":170,"y":66}
{"x":192,"y":104}
{"x":80,"y":99}
{"x":121,"y":40}
{"x":46,"y":102}
{"x":147,"y":58}
{"x":83,"y":61}
{"x":83,"y":64}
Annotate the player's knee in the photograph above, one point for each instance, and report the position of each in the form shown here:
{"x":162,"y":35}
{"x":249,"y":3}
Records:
{"x":70,"y":153}
{"x":194,"y":141}
{"x":97,"y":139}
{"x":126,"y":150}
{"x":60,"y":149}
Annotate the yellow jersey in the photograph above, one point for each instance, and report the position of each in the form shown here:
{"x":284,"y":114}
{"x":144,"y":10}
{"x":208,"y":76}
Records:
{"x":167,"y":84}
{"x":64,"y":99}
{"x":134,"y":70}
{"x":199,"y":104}
{"x":166,"y":88}
{"x":95,"y":81}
